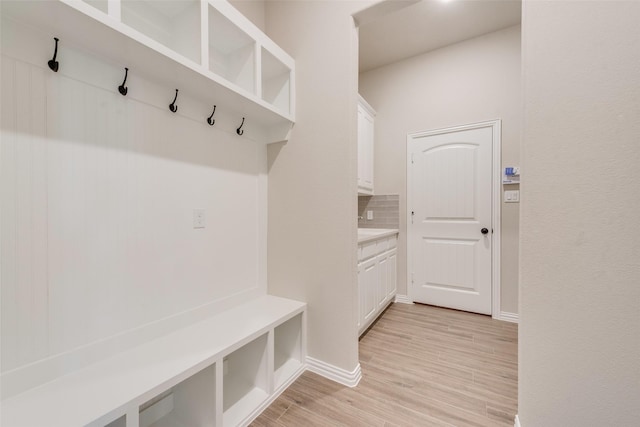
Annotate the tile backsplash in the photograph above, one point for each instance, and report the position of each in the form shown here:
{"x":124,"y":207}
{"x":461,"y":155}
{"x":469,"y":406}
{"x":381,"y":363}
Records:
{"x":386,"y":211}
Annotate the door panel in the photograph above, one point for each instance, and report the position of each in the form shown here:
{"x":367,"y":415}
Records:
{"x":383,"y":268}
{"x":450,"y":195}
{"x":370,"y":284}
{"x":392,"y":280}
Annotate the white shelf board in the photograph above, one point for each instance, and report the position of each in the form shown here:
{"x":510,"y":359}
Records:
{"x":111,"y":386}
{"x":80,"y":25}
{"x":284,"y":372}
{"x":244,"y":406}
{"x":170,"y":420}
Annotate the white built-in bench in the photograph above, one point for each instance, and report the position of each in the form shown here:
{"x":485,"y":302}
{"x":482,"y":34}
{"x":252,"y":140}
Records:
{"x":222,"y":371}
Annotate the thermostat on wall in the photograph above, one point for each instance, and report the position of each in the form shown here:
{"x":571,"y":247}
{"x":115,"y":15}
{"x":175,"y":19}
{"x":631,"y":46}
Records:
{"x":511,"y":175}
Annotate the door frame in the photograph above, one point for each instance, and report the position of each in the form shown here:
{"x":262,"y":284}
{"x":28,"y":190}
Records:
{"x":496,"y":199}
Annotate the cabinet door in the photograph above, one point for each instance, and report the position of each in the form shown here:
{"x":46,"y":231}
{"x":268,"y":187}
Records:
{"x":367,"y":174}
{"x":361,"y":147}
{"x":370,"y":280}
{"x":365,"y":150}
{"x":392,"y":273}
{"x":360,"y":293}
{"x":383,"y":278}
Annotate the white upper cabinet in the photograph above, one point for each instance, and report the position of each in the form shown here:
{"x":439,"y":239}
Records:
{"x":366,"y":116}
{"x":206,"y":48}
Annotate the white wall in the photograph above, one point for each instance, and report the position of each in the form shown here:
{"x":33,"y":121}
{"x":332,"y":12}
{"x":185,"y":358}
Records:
{"x":98,"y":192}
{"x":469,"y":82}
{"x":579,"y":328}
{"x":312,"y":178}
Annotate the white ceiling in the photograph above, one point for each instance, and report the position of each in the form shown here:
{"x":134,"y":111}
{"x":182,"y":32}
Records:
{"x":431,"y":24}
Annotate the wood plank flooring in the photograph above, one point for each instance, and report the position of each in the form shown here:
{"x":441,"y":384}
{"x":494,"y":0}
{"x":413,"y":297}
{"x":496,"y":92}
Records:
{"x":421,"y":366}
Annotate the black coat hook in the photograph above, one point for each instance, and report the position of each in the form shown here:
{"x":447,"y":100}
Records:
{"x":122,"y":89}
{"x":53,"y":64}
{"x":211,"y":120}
{"x":239,"y":131}
{"x":173,"y":107}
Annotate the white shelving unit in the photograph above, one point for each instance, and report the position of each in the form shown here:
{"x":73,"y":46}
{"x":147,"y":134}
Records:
{"x":206,"y":48}
{"x":191,"y":403}
{"x":217,"y":372}
{"x":276,"y":82}
{"x":174,"y":24}
{"x":120,"y":422}
{"x":288,"y":353}
{"x":101,"y":5}
{"x":232,"y":52}
{"x":245,"y":381}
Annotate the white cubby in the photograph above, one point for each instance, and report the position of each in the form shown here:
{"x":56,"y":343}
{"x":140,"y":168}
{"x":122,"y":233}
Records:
{"x":276,"y":82}
{"x":288,"y":355}
{"x":101,"y":5}
{"x":245,"y":380}
{"x":232,"y":52}
{"x":120,"y":422}
{"x":190,"y":403}
{"x":172,"y":23}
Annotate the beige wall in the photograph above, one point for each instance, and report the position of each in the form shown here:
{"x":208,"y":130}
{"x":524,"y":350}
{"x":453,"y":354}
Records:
{"x":580,"y":256}
{"x":472,"y":81}
{"x":312,"y":178}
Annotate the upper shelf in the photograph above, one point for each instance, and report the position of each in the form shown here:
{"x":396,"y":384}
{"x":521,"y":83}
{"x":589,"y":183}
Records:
{"x":205,"y":47}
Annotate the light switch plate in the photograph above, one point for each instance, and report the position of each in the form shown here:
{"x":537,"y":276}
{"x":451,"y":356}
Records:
{"x":369,"y":215}
{"x":198,"y":218}
{"x":512,"y":196}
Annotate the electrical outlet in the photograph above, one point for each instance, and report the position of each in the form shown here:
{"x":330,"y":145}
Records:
{"x":369,"y":215}
{"x":198,"y":218}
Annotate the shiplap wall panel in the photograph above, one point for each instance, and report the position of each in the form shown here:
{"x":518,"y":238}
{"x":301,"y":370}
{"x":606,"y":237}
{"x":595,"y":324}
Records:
{"x":8,"y":217}
{"x":98,"y":192}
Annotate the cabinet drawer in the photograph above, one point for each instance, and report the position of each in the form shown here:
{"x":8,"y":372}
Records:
{"x":367,"y":250}
{"x":392,"y":242}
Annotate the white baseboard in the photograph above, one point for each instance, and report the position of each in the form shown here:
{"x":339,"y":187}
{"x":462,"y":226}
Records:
{"x":507,"y":317}
{"x":516,"y":422}
{"x":403,"y":299}
{"x":339,"y":375}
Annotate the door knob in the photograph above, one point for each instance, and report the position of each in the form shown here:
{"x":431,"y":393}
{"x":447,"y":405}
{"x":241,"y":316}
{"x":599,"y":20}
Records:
{"x":484,"y":231}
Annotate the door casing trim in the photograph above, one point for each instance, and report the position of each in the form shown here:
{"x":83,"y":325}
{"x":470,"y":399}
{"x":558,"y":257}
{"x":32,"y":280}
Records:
{"x":496,"y":199}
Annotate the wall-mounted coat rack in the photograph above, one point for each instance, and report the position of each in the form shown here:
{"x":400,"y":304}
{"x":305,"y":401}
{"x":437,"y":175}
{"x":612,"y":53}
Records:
{"x":210,"y":119}
{"x":173,"y":107}
{"x":240,"y":131}
{"x":53,"y":64}
{"x":122,"y":89}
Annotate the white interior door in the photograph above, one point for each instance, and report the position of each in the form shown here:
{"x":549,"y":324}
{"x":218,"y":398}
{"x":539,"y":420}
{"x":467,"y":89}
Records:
{"x":450,"y":217}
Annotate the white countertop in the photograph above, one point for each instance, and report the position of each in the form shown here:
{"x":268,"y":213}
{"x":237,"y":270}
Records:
{"x":367,"y":234}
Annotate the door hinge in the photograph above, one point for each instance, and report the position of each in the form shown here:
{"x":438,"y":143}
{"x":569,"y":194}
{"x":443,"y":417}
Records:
{"x":412,"y":215}
{"x":412,"y":158}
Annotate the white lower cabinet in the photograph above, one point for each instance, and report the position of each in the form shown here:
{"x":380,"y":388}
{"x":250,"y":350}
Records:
{"x":369,"y":279}
{"x":377,"y":279}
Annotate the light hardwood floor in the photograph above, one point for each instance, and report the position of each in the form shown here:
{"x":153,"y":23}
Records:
{"x":421,"y":366}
